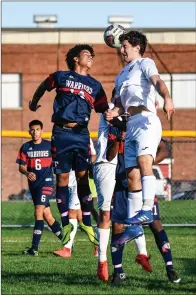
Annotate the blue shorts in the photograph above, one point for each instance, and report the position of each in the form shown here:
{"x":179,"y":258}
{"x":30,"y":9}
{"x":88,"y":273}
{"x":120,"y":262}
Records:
{"x":41,"y":195}
{"x":119,"y":210}
{"x":70,"y":149}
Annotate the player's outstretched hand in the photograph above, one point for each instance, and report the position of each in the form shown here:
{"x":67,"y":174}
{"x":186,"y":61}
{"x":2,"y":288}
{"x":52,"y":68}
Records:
{"x":168,"y":108}
{"x":33,"y":107}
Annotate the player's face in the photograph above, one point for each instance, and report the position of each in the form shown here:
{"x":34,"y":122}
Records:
{"x":36,"y":132}
{"x":129,"y":52}
{"x":85,"y":59}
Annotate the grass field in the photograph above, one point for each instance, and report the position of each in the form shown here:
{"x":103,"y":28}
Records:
{"x":181,"y":211}
{"x":48,"y":274}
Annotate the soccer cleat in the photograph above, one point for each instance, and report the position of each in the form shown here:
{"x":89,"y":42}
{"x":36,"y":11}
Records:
{"x":173,"y":276}
{"x":64,"y":252}
{"x":102,"y":271}
{"x":95,"y":250}
{"x":67,"y":229}
{"x":90,"y":233}
{"x":118,"y":278}
{"x":140,"y":218}
{"x":30,"y":252}
{"x":143,"y":260}
{"x":130,"y":233}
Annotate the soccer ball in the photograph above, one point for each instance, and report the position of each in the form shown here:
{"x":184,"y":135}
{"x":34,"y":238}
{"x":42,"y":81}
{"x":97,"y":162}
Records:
{"x":111,"y":35}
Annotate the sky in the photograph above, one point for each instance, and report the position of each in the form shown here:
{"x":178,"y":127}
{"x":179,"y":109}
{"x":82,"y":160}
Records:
{"x":95,"y":14}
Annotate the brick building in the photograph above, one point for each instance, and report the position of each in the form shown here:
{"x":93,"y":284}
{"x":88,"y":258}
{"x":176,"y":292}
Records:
{"x":29,"y":55}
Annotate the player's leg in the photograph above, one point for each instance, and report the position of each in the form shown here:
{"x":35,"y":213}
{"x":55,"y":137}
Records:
{"x":104,"y":177}
{"x":40,"y":200}
{"x":146,"y":140}
{"x":163,"y":244}
{"x":53,"y":224}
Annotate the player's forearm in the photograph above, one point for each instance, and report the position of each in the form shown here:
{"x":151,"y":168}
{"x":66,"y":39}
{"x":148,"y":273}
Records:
{"x":162,"y":90}
{"x":39,"y":93}
{"x":117,"y":111}
{"x":23,"y":170}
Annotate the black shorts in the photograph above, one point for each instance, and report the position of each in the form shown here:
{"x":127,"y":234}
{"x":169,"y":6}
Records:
{"x":41,"y":195}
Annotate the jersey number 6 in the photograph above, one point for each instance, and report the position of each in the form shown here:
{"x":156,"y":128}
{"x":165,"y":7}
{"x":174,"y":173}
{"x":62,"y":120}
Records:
{"x":38,"y":165}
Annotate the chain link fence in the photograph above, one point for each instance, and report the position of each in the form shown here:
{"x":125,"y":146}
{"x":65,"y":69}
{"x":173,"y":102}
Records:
{"x":178,"y":174}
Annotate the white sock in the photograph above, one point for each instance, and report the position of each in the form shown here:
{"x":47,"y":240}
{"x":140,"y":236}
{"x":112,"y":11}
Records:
{"x":103,"y":236}
{"x":134,"y":203}
{"x":140,"y":244}
{"x":149,"y":191}
{"x":74,"y":222}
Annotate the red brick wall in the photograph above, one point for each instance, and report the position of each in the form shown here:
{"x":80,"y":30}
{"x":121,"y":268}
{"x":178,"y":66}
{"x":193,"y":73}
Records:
{"x":35,"y":62}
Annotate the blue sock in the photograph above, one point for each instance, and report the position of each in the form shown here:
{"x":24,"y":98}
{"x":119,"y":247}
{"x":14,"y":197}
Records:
{"x":62,"y":199}
{"x":86,"y":202}
{"x":117,"y":255}
{"x":164,"y":247}
{"x":56,"y":229}
{"x":37,"y":232}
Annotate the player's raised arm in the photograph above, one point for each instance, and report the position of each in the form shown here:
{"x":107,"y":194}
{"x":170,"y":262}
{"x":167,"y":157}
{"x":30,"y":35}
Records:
{"x":46,"y":85}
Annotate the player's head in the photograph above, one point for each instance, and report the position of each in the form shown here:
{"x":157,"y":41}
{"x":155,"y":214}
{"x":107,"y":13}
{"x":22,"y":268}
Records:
{"x":36,"y":130}
{"x":80,"y":55}
{"x":133,"y":45}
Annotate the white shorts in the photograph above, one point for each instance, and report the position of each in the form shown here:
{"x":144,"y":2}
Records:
{"x":142,"y":137}
{"x":104,"y":178}
{"x":74,"y":202}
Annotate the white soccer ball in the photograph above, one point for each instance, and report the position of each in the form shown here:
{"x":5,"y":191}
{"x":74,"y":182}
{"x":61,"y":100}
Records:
{"x":111,"y":35}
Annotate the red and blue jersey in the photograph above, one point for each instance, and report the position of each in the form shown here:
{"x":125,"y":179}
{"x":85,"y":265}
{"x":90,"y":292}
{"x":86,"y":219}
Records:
{"x":76,"y":96}
{"x":38,"y":159}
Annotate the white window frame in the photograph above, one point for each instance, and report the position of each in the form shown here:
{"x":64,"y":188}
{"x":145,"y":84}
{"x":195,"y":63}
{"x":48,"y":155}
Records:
{"x":14,"y":92}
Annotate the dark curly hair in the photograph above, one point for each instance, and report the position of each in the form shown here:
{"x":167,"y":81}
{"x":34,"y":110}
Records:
{"x":75,"y":52}
{"x":135,"y":38}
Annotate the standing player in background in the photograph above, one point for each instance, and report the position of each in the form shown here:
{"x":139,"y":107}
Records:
{"x":76,"y":94}
{"x":35,"y":162}
{"x":136,"y":87}
{"x":120,"y":212}
{"x":75,"y":214}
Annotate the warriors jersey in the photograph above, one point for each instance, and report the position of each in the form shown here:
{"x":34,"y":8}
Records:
{"x":76,"y":95}
{"x":38,"y":159}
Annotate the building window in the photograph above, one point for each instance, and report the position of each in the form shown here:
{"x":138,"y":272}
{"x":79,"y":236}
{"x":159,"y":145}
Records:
{"x":11,"y":91}
{"x":183,"y":89}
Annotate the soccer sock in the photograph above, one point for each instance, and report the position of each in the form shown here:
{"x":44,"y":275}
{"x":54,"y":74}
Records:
{"x":37,"y":232}
{"x":62,"y":199}
{"x":164,"y":247}
{"x":85,"y":198}
{"x":117,"y":255}
{"x":140,"y":244}
{"x":148,"y":191}
{"x":56,"y":229}
{"x":103,"y":237}
{"x":134,"y":203}
{"x":74,"y":222}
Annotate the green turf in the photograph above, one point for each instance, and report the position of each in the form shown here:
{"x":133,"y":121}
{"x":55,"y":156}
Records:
{"x":47,"y":274}
{"x":172,"y":212}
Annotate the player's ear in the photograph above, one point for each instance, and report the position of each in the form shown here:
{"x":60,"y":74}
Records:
{"x":75,"y":58}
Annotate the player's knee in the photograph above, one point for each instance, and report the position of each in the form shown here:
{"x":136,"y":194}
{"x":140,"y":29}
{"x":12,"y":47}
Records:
{"x":156,"y":226}
{"x":104,"y":216}
{"x":39,"y":212}
{"x":145,"y":163}
{"x":73,"y":214}
{"x":62,"y":179}
{"x":134,"y":180}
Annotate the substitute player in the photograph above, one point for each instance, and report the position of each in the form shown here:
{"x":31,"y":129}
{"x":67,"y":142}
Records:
{"x":76,"y":94}
{"x":35,"y":162}
{"x":136,"y":87}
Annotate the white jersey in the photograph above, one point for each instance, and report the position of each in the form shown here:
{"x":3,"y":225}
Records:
{"x":134,"y":86}
{"x":103,"y":140}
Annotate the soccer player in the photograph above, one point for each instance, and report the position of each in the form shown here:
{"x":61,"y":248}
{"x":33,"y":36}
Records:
{"x":35,"y":162}
{"x":76,"y":94}
{"x":75,"y":214}
{"x":136,"y":86}
{"x":104,"y":177}
{"x":119,"y":214}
